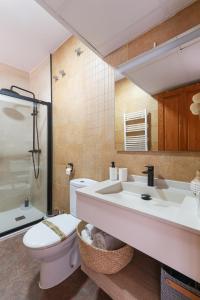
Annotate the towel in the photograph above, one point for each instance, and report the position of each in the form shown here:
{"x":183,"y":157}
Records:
{"x":105,"y":241}
{"x":85,"y":236}
{"x":91,"y":230}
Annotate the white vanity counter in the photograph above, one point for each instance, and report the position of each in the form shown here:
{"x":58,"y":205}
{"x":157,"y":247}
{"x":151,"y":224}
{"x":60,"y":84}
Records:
{"x":172,"y":205}
{"x":167,"y":227}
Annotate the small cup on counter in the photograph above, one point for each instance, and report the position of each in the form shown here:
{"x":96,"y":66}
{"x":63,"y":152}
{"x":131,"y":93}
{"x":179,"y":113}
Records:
{"x":123,"y":174}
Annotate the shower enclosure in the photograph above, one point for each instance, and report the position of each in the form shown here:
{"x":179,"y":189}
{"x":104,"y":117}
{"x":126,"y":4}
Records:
{"x":25,"y":161}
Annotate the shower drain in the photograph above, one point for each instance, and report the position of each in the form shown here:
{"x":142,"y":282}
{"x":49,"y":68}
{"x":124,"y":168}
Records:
{"x":20,"y":218}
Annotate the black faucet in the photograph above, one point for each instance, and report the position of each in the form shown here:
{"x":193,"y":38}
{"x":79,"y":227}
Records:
{"x":150,"y":174}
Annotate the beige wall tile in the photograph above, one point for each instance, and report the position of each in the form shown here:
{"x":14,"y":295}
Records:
{"x":84,"y":126}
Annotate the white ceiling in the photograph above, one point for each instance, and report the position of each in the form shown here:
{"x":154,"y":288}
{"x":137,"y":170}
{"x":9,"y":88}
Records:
{"x":28,"y":33}
{"x":108,"y":24}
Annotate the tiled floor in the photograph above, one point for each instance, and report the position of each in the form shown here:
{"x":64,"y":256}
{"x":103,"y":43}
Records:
{"x":19,"y":276}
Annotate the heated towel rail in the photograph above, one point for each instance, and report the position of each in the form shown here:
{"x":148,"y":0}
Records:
{"x":136,"y":131}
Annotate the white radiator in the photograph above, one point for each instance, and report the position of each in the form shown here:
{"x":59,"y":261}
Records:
{"x":132,"y":140}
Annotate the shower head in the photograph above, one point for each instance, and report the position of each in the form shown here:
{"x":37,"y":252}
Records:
{"x":13,"y":113}
{"x":16,"y":111}
{"x":9,"y":92}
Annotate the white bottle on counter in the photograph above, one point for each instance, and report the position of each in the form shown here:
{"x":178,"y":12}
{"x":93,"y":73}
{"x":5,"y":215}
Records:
{"x":113,"y":171}
{"x":123,"y":174}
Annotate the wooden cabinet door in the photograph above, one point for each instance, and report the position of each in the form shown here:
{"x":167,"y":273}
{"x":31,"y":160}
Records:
{"x":168,"y":122}
{"x":183,"y":122}
{"x":171,"y":127}
{"x":178,"y":128}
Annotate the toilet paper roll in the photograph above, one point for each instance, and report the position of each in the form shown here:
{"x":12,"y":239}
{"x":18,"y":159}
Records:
{"x":68,"y":171}
{"x":123,"y":174}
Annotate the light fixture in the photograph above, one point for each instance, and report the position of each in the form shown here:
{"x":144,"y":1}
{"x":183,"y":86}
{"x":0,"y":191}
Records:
{"x":195,"y":106}
{"x":62,"y":73}
{"x":158,"y":51}
{"x":78,"y":51}
{"x":55,"y":77}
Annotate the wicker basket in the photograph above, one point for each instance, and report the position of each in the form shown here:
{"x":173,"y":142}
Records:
{"x":103,"y":261}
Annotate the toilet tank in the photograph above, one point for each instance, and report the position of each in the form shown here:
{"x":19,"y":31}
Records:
{"x":74,"y":185}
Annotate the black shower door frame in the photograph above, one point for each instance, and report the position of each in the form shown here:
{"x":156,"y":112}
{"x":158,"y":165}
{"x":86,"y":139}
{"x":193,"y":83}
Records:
{"x":49,"y":147}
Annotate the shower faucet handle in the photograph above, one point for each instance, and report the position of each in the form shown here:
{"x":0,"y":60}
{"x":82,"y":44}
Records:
{"x":35,"y":151}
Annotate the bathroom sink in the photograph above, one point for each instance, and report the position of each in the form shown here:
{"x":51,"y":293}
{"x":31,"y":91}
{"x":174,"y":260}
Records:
{"x":132,"y":190}
{"x":131,"y":193}
{"x":167,"y":203}
{"x":170,"y":204}
{"x":166,"y":225}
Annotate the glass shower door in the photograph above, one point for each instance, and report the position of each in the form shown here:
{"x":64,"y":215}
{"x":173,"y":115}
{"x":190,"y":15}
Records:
{"x":23,"y":198}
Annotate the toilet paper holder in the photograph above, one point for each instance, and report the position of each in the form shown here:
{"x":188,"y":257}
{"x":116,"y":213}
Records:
{"x":69,"y":169}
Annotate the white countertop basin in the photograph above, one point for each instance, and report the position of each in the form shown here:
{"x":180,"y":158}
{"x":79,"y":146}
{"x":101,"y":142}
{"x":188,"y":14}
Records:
{"x":166,"y":228}
{"x":169,"y":204}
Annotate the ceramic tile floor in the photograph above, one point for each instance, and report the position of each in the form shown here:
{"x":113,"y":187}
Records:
{"x":19,"y":276}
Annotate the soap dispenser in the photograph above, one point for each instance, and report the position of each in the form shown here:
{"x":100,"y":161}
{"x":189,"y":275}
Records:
{"x":195,"y":184}
{"x":113,"y":171}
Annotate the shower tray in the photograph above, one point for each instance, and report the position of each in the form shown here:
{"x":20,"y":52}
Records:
{"x":18,"y":218}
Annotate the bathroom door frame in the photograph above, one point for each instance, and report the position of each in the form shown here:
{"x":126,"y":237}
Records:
{"x":49,"y":149}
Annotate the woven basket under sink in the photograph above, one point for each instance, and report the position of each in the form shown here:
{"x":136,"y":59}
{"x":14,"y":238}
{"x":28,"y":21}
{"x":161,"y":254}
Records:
{"x":103,"y":261}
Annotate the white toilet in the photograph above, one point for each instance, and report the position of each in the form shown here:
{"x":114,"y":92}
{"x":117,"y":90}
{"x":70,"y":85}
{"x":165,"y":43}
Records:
{"x":59,"y":259}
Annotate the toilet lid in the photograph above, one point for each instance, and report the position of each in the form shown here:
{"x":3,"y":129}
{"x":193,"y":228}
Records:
{"x":40,"y":235}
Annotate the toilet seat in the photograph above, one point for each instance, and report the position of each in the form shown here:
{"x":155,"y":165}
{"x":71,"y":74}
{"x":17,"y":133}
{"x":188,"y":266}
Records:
{"x":41,"y":236}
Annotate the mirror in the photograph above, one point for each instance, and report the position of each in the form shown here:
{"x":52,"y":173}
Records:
{"x":170,"y":119}
{"x":163,"y":122}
